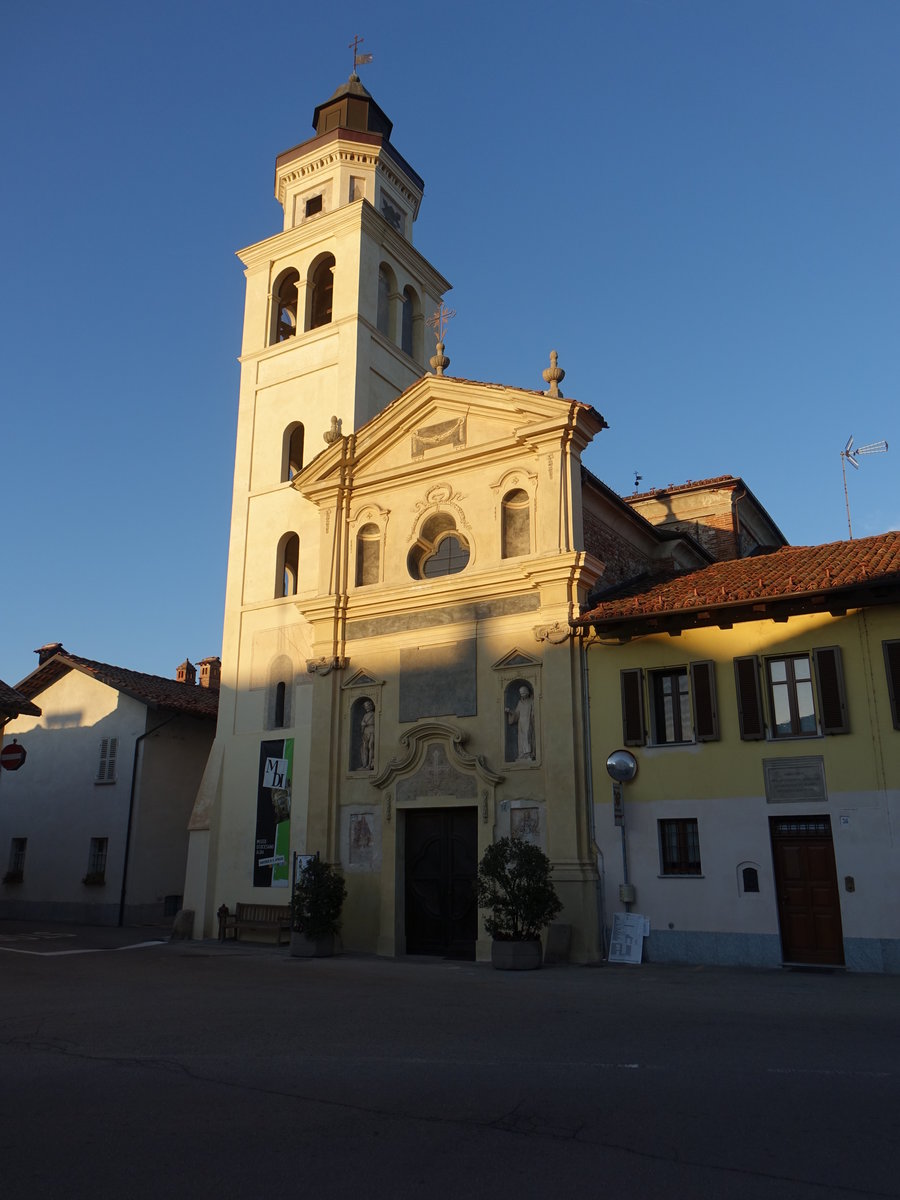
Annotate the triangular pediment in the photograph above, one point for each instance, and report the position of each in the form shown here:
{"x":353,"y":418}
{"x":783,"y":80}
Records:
{"x":362,"y":678}
{"x":439,"y":422}
{"x":516,"y":658}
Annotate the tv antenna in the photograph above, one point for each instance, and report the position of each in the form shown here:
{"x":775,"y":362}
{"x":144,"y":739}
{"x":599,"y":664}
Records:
{"x":849,"y":454}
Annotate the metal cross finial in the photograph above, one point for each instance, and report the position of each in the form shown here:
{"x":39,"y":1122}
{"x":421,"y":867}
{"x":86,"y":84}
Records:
{"x":440,"y":320}
{"x":359,"y":60}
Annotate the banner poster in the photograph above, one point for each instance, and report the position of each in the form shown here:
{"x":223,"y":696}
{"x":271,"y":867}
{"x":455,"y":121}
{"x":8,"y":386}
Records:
{"x":272,"y":853}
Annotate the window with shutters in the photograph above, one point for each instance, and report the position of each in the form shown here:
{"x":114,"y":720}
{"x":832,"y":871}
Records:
{"x":804,"y":695}
{"x":679,"y":847}
{"x":670,"y":706}
{"x":892,"y":667}
{"x":106,"y":768}
{"x":681,"y":703}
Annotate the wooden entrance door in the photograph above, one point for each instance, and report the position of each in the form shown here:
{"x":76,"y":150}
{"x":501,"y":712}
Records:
{"x":441,"y":864}
{"x":809,"y":905}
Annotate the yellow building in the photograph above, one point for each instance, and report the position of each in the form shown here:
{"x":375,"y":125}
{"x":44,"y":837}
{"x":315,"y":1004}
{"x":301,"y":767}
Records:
{"x":760,"y":699}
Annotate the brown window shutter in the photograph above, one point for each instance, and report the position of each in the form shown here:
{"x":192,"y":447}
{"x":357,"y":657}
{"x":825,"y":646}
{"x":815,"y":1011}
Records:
{"x":703,"y":696}
{"x":830,"y":690}
{"x":750,"y":716}
{"x":633,"y":706}
{"x":892,"y":666}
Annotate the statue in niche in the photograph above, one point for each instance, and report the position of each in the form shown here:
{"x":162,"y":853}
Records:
{"x":367,"y":736}
{"x":520,"y":719}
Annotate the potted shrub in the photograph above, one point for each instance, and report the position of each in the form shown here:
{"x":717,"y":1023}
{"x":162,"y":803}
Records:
{"x":514,"y":885}
{"x":316,"y":904}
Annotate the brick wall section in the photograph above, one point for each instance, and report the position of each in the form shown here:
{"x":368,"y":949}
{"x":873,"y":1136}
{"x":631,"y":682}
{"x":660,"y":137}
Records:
{"x":715,"y":534}
{"x":622,"y":560}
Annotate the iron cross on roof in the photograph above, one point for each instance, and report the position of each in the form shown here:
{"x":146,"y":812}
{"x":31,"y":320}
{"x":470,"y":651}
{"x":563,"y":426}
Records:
{"x":439,"y":321}
{"x":359,"y":60}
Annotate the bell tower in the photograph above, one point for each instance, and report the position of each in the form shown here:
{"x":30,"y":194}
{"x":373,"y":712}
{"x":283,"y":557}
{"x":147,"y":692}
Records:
{"x":337,"y":301}
{"x":334,"y":331}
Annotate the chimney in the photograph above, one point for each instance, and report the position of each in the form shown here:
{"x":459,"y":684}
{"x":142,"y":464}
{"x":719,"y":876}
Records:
{"x":187,"y":672}
{"x":211,"y":673}
{"x":45,"y":652}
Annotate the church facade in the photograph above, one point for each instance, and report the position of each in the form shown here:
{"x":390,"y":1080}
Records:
{"x":400,"y":683}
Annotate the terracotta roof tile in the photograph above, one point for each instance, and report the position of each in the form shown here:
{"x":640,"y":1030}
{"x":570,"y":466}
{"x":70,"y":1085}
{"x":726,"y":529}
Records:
{"x":156,"y":691}
{"x":12,"y":703}
{"x":791,"y":571}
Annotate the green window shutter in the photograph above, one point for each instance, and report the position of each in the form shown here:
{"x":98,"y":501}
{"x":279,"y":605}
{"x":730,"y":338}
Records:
{"x":892,"y":666}
{"x":703,"y":698}
{"x":749,"y":698}
{"x":830,"y":689}
{"x":633,"y":706}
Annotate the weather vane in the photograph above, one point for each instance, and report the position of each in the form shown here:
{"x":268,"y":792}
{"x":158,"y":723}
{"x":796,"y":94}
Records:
{"x":440,"y":320}
{"x":359,"y":60}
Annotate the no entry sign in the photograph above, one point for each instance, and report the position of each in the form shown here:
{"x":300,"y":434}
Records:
{"x":12,"y":756}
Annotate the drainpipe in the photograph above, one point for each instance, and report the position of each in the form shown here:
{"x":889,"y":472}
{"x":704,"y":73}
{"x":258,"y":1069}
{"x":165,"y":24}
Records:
{"x":589,"y":792}
{"x":736,"y":519}
{"x":137,"y":746}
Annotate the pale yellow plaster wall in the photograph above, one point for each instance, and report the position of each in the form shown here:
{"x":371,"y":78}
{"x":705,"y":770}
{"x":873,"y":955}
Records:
{"x":721,"y":783}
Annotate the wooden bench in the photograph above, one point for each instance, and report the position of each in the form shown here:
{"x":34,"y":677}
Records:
{"x":261,"y":918}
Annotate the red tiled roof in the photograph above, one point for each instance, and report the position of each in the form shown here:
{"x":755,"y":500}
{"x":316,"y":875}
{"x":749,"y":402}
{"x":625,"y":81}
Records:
{"x":792,"y":572}
{"x":153,"y":690}
{"x":12,"y":703}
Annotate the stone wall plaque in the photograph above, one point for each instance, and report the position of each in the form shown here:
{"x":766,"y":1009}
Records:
{"x":438,"y":681}
{"x":795,"y":780}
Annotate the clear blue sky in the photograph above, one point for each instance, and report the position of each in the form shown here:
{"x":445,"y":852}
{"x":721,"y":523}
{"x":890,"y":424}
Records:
{"x":697,"y":202}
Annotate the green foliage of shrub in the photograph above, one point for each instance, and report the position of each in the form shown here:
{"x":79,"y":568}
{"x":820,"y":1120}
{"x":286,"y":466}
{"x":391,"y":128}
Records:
{"x":317,"y":900}
{"x":514,"y":884}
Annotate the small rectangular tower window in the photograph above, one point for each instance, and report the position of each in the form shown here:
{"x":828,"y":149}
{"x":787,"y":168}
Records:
{"x":314,"y":205}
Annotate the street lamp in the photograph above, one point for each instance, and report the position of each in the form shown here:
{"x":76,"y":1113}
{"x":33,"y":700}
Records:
{"x":621,"y":766}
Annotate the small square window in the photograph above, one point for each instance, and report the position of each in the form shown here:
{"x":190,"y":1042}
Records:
{"x":314,"y":205}
{"x":679,"y":847}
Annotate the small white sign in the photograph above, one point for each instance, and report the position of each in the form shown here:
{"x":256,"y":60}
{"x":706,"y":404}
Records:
{"x":275,"y":773}
{"x":275,"y":861}
{"x":627,"y":942}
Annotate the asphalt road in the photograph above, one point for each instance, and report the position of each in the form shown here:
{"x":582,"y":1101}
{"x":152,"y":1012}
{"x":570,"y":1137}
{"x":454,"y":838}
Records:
{"x":194,"y":1070}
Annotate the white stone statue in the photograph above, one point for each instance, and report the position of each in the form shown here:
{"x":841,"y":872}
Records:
{"x":367,"y":730}
{"x":522,"y":716}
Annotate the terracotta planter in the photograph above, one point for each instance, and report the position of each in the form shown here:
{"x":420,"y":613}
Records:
{"x":306,"y":947}
{"x":516,"y":956}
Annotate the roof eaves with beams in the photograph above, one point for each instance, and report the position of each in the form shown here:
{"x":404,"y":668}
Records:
{"x":793,"y":580}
